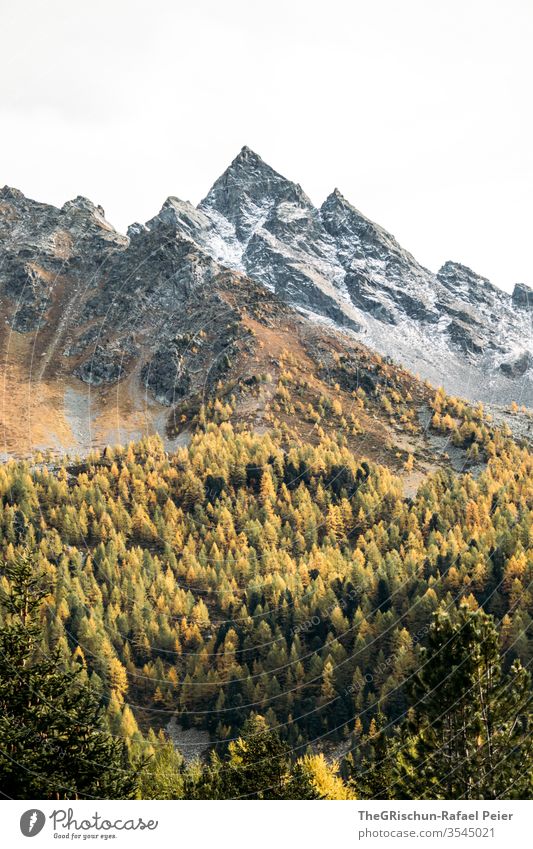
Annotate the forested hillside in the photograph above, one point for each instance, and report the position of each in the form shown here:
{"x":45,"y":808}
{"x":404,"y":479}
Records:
{"x":287,"y":589}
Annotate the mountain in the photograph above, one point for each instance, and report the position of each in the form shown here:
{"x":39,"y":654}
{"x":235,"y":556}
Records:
{"x":105,"y":337}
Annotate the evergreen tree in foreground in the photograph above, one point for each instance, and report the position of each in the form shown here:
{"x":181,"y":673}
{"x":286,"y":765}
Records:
{"x":468,"y":732}
{"x":53,"y":744}
{"x":259,"y":766}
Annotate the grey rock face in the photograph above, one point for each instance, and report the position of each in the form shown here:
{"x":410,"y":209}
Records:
{"x":166,"y":376}
{"x":519,"y":367}
{"x":523,"y":296}
{"x":104,"y":366}
{"x":465,"y":284}
{"x":30,"y":290}
{"x":464,"y":337}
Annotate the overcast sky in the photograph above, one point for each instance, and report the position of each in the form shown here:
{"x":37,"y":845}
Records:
{"x":418,"y":110}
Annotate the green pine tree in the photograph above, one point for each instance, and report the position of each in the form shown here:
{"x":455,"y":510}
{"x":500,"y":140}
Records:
{"x":467,"y":735}
{"x":54,"y":745}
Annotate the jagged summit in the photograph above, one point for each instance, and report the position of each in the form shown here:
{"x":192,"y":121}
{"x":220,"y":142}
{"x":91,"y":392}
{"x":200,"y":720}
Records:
{"x":248,"y":156}
{"x":8,"y":192}
{"x":246,"y":192}
{"x":360,"y":236}
{"x":463,"y":282}
{"x":451,"y":268}
{"x":246,"y":170}
{"x":83,"y":204}
{"x":248,"y":159}
{"x":336,"y":197}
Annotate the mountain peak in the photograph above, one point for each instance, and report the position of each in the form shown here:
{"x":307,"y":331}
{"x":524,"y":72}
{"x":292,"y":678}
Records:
{"x":458,"y":267}
{"x":248,"y":156}
{"x":358,"y":235}
{"x":9,"y":193}
{"x":461,"y":280}
{"x":83,"y":204}
{"x":246,"y":192}
{"x":337,"y":201}
{"x":245,"y":167}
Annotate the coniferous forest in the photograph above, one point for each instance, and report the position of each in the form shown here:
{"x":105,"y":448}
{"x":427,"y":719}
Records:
{"x":328,"y":636}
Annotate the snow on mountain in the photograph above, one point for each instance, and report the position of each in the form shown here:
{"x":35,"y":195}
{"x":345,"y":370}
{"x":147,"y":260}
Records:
{"x":454,"y":328}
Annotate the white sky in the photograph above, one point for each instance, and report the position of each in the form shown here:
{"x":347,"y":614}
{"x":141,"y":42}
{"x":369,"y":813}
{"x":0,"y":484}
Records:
{"x":420,"y":111}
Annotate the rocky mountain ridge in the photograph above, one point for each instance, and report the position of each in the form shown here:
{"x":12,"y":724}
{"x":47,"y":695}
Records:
{"x":92,"y":318}
{"x":453,"y":327}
